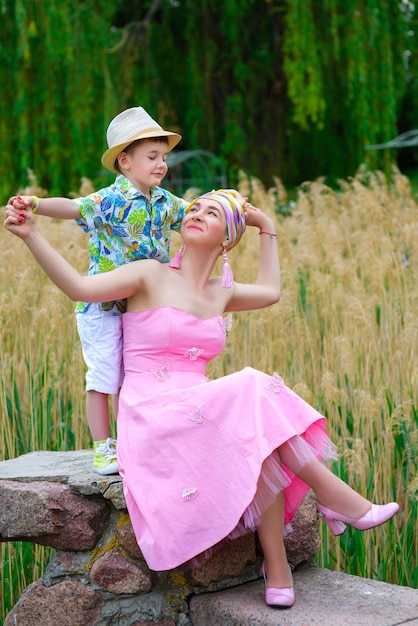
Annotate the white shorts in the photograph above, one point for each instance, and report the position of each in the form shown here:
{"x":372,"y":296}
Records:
{"x":100,"y":334}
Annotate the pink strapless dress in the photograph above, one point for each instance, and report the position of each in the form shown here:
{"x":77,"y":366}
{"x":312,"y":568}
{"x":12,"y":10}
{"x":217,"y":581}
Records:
{"x":198,"y":457}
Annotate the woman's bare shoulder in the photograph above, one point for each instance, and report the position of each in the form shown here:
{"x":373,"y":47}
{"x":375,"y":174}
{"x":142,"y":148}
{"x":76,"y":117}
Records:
{"x":147,"y":265}
{"x":150,"y":270}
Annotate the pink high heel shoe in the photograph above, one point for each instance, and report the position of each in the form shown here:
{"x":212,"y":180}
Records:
{"x":279,"y":598}
{"x":378,"y":514}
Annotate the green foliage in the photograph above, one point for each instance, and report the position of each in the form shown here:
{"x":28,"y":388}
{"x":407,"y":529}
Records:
{"x":20,"y":565}
{"x":55,"y":108}
{"x":302,"y":65}
{"x":288,"y":88}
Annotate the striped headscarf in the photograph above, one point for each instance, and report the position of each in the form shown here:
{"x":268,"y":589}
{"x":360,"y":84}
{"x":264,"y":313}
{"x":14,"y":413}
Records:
{"x":234,"y":213}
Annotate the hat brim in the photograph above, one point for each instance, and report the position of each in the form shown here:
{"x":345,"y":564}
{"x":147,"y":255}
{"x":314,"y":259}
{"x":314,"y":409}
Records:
{"x":110,"y":156}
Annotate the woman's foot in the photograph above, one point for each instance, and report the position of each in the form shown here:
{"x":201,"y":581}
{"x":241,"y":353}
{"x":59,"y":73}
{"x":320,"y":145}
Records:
{"x":278,"y":597}
{"x":377,"y":514}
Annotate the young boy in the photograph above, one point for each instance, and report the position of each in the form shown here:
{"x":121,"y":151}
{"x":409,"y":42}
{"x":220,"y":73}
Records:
{"x":127,"y":221}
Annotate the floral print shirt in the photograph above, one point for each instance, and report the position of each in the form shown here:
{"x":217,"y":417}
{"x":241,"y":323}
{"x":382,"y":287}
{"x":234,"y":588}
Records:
{"x":125,"y":226}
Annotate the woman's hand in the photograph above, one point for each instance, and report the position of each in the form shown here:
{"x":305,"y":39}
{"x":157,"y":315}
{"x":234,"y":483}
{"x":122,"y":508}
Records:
{"x":20,"y":222}
{"x":256,"y":217}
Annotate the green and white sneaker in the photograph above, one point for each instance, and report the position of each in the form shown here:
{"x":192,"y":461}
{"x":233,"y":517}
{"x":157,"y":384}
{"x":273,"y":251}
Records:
{"x":105,"y":460}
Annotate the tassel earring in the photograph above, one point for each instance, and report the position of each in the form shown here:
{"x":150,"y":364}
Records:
{"x":177,"y":259}
{"x":227,"y":275}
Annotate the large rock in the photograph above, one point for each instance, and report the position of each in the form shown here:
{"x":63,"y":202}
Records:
{"x":114,"y":573}
{"x":69,"y":603}
{"x":49,"y":514}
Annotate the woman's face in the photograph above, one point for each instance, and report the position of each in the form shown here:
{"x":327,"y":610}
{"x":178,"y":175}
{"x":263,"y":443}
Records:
{"x":205,"y":219}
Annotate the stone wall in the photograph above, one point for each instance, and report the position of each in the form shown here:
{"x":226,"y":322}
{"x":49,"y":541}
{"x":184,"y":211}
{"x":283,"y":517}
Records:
{"x":98,"y":575}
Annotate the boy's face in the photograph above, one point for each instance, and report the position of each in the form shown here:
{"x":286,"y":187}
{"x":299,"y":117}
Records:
{"x":145,"y":164}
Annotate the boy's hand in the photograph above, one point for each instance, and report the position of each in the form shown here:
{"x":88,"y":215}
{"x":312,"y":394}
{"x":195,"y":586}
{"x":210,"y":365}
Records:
{"x":22,"y":202}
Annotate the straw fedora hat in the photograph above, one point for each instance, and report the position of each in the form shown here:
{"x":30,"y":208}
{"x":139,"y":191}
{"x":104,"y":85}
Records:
{"x":128,"y":126}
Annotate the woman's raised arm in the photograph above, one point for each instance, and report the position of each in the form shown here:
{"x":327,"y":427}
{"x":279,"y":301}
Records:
{"x":118,"y":284}
{"x":266,"y":289}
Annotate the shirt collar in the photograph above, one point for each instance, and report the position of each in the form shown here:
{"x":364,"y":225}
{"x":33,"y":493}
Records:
{"x":131,"y":192}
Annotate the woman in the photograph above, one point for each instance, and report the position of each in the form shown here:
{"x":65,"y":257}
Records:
{"x":203,"y":461}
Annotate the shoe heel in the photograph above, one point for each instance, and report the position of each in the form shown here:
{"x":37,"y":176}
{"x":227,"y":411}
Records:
{"x":335,"y":526}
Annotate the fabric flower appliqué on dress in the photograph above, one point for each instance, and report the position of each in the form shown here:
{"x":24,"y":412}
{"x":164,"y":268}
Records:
{"x":226,"y":323}
{"x":276,"y":383}
{"x":163,"y":373}
{"x":193,"y":353}
{"x":197,"y":416}
{"x":189,"y":494}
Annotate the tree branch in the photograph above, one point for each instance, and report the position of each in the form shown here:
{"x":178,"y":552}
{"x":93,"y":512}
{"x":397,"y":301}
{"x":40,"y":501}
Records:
{"x":136,"y":30}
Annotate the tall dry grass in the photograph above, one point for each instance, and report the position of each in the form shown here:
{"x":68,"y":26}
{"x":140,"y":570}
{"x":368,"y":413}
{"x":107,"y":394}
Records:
{"x":41,"y":376}
{"x":344,"y":336}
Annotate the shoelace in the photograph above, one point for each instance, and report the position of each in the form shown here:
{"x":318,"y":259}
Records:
{"x":107,"y":448}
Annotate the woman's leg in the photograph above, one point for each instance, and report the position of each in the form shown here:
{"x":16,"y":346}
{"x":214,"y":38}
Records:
{"x":330,"y":491}
{"x":270,"y":534}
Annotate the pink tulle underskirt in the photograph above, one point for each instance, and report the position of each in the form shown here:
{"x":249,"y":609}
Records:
{"x":275,"y":477}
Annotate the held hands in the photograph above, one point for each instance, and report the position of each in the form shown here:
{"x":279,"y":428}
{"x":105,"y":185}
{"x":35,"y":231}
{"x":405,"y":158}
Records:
{"x":19,"y":221}
{"x":23,"y":202}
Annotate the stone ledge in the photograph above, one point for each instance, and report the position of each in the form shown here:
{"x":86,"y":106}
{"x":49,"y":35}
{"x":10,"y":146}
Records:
{"x":71,"y":468}
{"x":323,"y":598}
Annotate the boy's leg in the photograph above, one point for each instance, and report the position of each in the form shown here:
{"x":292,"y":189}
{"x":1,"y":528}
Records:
{"x":115,"y":403}
{"x":97,"y":409}
{"x":101,"y":340}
